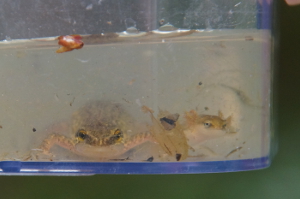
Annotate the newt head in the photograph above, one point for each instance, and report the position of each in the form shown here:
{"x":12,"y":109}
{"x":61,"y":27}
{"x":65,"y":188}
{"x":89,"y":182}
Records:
{"x":215,"y":122}
{"x":208,"y":121}
{"x":205,"y":127}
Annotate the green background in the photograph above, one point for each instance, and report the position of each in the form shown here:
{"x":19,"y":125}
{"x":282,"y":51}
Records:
{"x":281,"y":180}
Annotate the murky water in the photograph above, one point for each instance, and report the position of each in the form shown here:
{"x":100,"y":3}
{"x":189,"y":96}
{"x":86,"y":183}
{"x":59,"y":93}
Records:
{"x":221,"y":74}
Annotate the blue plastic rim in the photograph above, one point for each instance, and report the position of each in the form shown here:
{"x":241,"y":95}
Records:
{"x":90,"y":168}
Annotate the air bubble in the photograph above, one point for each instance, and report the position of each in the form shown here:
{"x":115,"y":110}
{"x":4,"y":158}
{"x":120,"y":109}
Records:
{"x":167,"y":27}
{"x":7,"y":38}
{"x":132,"y":30}
{"x":129,"y":23}
{"x":89,"y":7}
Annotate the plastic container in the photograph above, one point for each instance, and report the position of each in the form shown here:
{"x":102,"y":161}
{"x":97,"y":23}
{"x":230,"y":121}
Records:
{"x":134,"y":87}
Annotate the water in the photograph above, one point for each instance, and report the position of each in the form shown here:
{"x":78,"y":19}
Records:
{"x":207,"y":72}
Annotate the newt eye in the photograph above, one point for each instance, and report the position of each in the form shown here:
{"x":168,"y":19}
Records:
{"x":207,"y":124}
{"x":81,"y":135}
{"x":118,"y":135}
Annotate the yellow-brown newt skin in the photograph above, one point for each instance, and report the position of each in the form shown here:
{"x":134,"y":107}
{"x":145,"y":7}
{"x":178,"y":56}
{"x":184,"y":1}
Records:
{"x":196,"y":129}
{"x":208,"y":121}
{"x":99,"y":130}
{"x":200,"y":128}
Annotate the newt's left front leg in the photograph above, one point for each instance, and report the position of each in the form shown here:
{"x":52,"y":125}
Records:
{"x":60,"y":140}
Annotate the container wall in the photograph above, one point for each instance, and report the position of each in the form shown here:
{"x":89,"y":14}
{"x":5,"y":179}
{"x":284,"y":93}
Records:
{"x":134,"y":86}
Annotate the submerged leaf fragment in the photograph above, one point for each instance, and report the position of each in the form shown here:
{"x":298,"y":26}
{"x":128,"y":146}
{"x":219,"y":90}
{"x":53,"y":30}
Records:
{"x":169,"y":121}
{"x":172,"y":141}
{"x":233,"y":151}
{"x":178,"y":156}
{"x":69,"y":43}
{"x":150,"y":159}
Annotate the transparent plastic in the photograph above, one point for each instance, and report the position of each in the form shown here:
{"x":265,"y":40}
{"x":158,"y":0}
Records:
{"x":135,"y":87}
